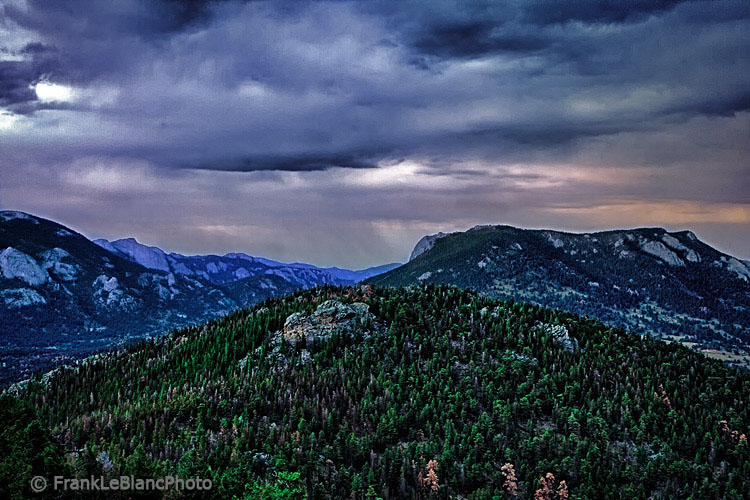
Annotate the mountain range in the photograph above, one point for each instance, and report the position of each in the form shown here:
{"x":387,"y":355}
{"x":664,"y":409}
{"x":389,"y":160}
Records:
{"x":222,"y":269}
{"x":63,"y":296}
{"x":667,"y":284}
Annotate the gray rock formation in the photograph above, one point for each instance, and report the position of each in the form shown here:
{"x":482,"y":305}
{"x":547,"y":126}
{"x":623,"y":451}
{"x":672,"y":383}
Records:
{"x":426,"y":243}
{"x":329,"y":318}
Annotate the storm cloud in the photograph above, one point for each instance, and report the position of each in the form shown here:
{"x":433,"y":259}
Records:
{"x":374,"y":122}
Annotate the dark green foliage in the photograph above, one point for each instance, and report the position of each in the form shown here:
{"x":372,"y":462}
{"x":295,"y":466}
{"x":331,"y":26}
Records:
{"x":25,"y":451}
{"x":440,"y":374}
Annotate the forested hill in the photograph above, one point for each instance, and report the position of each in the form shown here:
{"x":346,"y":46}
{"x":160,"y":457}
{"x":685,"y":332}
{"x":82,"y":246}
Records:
{"x":667,"y":284}
{"x":421,"y":392}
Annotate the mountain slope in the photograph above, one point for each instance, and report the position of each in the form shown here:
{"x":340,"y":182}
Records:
{"x":427,"y":392}
{"x":63,"y":297}
{"x":670,"y":285}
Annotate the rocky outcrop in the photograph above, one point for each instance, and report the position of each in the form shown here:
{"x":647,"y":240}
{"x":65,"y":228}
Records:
{"x":425,"y":244}
{"x":658,"y":250}
{"x":736,"y":266}
{"x":329,"y":318}
{"x":21,"y":297}
{"x":18,"y":265}
{"x":303,"y":330}
{"x":559,"y":334}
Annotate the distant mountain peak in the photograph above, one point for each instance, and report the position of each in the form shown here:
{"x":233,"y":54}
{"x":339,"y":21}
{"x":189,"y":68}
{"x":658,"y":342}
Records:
{"x":425,"y":244}
{"x":129,"y":248}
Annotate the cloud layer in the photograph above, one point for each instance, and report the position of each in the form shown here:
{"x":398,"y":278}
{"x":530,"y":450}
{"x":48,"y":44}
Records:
{"x":339,"y":132}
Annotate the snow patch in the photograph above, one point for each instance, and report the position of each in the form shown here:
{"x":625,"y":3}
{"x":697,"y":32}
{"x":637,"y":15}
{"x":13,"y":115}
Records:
{"x":425,"y":276}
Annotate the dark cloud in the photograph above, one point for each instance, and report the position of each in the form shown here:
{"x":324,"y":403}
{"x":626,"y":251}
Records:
{"x":285,"y":48}
{"x":595,"y":11}
{"x":469,"y":29}
{"x":15,"y":85}
{"x":84,"y":40}
{"x":304,"y":163}
{"x":716,"y":103}
{"x":476,"y":39}
{"x":97,"y":20}
{"x":392,"y":116}
{"x":18,"y":76}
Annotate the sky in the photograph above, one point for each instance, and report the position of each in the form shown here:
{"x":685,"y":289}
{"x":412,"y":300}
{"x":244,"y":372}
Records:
{"x":339,"y":133}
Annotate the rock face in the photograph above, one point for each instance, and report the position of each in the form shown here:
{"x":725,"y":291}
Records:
{"x":303,"y":330}
{"x":329,"y":318}
{"x":736,"y":267}
{"x":560,"y":335}
{"x":16,"y":264}
{"x":150,"y":257}
{"x":658,"y":250}
{"x":21,"y":297}
{"x":425,"y":244}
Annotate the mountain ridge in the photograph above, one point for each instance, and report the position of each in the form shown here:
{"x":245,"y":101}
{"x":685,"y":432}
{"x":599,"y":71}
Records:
{"x":63,"y":297}
{"x":232,"y":266}
{"x":650,"y":280}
